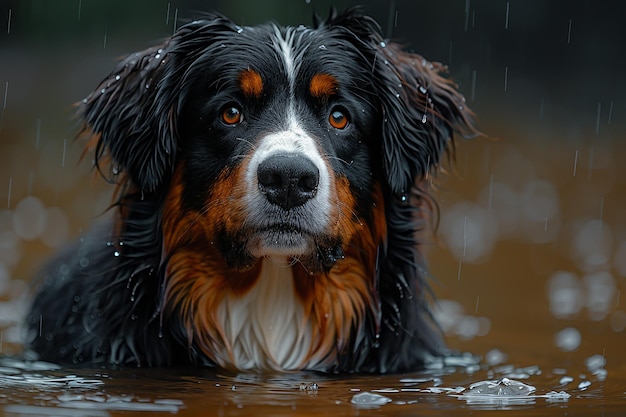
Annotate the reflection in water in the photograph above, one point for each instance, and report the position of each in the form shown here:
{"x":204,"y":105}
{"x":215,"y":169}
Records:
{"x":38,"y":388}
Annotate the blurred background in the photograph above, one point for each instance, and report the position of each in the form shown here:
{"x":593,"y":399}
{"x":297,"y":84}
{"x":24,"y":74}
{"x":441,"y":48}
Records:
{"x":532,"y":238}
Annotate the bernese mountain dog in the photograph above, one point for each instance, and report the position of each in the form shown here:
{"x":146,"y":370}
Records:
{"x":272,"y":185}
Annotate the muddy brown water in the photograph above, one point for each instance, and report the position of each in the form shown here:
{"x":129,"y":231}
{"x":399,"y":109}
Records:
{"x":539,"y":306}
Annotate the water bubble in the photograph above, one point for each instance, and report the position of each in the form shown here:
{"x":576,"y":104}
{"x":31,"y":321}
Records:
{"x":595,"y":362}
{"x":592,"y":245}
{"x":568,"y":339}
{"x":504,"y":387}
{"x":566,"y":294}
{"x":565,"y":380}
{"x":469,"y":231}
{"x":495,"y":357}
{"x":601,"y":291}
{"x":369,"y":400}
{"x":30,"y":218}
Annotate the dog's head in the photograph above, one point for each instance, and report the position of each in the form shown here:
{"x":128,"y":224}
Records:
{"x":275,"y":141}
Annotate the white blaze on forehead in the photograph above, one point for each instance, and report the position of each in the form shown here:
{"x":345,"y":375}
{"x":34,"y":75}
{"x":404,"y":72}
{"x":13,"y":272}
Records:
{"x":284,"y":44}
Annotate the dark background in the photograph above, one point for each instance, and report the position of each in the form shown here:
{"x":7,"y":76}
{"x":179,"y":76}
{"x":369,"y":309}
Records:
{"x":561,"y":59}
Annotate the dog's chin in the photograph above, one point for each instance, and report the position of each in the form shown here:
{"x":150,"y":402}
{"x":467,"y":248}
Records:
{"x":281,"y":242}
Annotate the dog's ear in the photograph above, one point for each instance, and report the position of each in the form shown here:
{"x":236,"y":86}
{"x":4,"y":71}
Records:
{"x":131,"y":116}
{"x":420,"y":108}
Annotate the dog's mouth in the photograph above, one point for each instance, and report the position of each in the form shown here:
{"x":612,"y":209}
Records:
{"x":280,"y":239}
{"x":314,"y":251}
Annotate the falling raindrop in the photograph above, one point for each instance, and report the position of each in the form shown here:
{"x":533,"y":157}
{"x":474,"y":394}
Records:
{"x":64,"y":151}
{"x":490,"y":192}
{"x":610,"y":114}
{"x":473,"y":94}
{"x":575,"y":161}
{"x":467,"y":9}
{"x":167,"y":17}
{"x":9,"y":193}
{"x":9,"y":22}
{"x":599,"y":110}
{"x":38,"y":134}
{"x":80,"y":5}
{"x":175,"y":18}
{"x":569,"y":32}
{"x":506,"y":21}
{"x":106,"y":30}
{"x":6,"y":93}
{"x":506,"y":78}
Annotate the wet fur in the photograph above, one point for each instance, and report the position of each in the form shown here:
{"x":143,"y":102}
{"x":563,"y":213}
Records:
{"x":131,"y":292}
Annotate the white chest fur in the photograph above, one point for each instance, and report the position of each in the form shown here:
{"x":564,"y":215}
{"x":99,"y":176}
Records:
{"x":267,"y":328}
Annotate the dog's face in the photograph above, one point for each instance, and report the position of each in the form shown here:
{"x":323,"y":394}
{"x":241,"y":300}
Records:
{"x":277,"y":143}
{"x":277,"y":137}
{"x":298,"y":144}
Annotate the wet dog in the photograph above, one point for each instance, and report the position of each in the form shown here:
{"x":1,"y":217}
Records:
{"x":272,"y":182}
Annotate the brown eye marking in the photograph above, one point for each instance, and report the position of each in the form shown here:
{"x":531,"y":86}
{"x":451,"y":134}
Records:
{"x":338,"y":118}
{"x":323,"y":85}
{"x":251,"y":83}
{"x":232,"y":115}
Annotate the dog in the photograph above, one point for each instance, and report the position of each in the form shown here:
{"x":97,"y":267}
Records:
{"x":272,"y":184}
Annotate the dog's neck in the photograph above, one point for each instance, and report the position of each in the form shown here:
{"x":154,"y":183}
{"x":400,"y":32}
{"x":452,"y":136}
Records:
{"x":266,"y":328}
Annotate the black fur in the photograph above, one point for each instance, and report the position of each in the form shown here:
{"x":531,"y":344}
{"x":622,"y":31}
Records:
{"x":101,"y":301}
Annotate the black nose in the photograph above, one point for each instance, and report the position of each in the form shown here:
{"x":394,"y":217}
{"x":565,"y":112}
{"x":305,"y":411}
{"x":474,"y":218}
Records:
{"x":288,"y":180}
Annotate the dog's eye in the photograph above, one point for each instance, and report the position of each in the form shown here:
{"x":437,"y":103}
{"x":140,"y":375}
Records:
{"x":232,"y":115}
{"x":338,"y":118}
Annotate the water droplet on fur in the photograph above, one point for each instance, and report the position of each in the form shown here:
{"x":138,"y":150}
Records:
{"x":422,"y":89}
{"x":116,"y":253}
{"x":85,"y":101}
{"x":323,"y":47}
{"x":403,"y":198}
{"x":383,"y":45}
{"x":424,"y":118}
{"x":117,"y":78}
{"x":103,"y":90}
